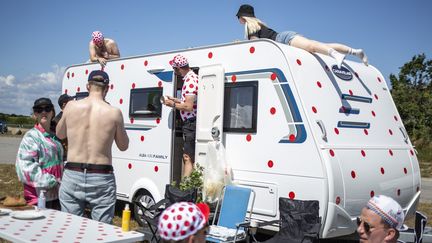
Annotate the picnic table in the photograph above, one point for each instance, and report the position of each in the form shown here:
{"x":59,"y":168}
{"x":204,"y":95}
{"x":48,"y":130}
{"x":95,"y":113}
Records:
{"x":56,"y":226}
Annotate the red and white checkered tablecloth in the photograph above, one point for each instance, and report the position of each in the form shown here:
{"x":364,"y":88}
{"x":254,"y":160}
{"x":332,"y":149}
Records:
{"x":62,"y":227}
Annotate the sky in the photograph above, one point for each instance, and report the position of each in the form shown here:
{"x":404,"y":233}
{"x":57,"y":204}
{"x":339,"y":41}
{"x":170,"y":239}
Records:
{"x":39,"y":39}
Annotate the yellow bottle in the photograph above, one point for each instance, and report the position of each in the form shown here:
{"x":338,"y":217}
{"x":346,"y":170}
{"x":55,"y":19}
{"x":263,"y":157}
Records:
{"x":126,"y":218}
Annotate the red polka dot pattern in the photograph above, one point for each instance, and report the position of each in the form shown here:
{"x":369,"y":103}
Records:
{"x":338,"y":200}
{"x":366,"y":132}
{"x":390,"y":132}
{"x":319,"y":84}
{"x":142,"y":138}
{"x":314,"y":109}
{"x":160,"y":84}
{"x":350,"y":92}
{"x":66,"y":91}
{"x":112,"y":86}
{"x":373,"y":113}
{"x":372,"y":193}
{"x":412,"y":152}
{"x":132,"y":120}
{"x":270,"y":163}
{"x":210,"y":55}
{"x":391,"y":152}
{"x":73,"y":74}
{"x":133,"y":85}
{"x":122,"y":67}
{"x":395,"y":118}
{"x":156,"y":168}
{"x":292,"y":138}
{"x":291,"y":195}
{"x":86,"y":71}
{"x":145,"y":63}
{"x":272,"y":110}
{"x":353,"y":174}
{"x":121,"y":101}
{"x":398,"y":192}
{"x":299,"y":62}
{"x":376,"y":96}
{"x":130,"y":166}
{"x":405,"y":171}
{"x":233,"y":78}
{"x":273,"y":76}
{"x":363,"y":153}
{"x":252,"y":50}
{"x":157,"y":120}
{"x":78,"y":89}
{"x":379,"y":80}
{"x":248,"y":137}
{"x":382,"y":170}
{"x":332,"y":153}
{"x":336,"y":130}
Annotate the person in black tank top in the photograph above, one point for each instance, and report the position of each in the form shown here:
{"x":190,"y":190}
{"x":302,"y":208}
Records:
{"x":255,"y":29}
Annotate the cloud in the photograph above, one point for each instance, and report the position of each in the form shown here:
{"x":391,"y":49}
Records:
{"x":18,"y":94}
{"x":8,"y":81}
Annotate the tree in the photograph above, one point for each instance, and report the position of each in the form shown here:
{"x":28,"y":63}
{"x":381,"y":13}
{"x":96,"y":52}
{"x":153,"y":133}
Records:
{"x":412,"y":93}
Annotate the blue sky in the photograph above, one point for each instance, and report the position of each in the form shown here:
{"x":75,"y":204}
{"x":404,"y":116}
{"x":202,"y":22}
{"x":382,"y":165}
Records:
{"x":38,"y":39}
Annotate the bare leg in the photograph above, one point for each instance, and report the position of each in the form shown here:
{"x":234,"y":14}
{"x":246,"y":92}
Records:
{"x":316,"y":46}
{"x":187,"y":165}
{"x":328,"y":49}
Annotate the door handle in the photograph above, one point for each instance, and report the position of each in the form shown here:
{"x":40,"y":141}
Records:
{"x":323,"y":130}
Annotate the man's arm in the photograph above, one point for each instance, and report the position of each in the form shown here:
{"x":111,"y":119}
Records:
{"x":121,"y":138}
{"x":94,"y":57}
{"x":61,"y":132}
{"x":187,"y":105}
{"x":114,"y":50}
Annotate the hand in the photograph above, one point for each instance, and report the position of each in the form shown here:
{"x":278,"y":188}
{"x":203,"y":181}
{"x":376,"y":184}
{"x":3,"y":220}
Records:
{"x":102,"y":61}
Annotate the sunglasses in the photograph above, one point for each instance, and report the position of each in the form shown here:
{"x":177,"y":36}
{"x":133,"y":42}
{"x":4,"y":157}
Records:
{"x":41,"y":109}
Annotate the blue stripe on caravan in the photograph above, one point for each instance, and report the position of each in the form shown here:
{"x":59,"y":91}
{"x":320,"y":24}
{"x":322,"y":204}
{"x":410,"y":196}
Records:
{"x":356,"y":98}
{"x":289,"y":97}
{"x":350,"y":124}
{"x":301,"y":135}
{"x":348,"y":110}
{"x":165,"y":76}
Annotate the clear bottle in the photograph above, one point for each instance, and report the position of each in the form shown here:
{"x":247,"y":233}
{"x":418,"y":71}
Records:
{"x":41,"y":200}
{"x":126,"y":218}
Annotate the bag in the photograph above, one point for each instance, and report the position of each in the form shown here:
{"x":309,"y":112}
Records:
{"x":174,"y":194}
{"x":217,"y":172}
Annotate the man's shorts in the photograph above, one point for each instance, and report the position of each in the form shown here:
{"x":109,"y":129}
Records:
{"x":189,"y":134}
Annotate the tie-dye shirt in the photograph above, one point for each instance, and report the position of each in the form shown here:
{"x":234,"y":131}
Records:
{"x":39,"y":164}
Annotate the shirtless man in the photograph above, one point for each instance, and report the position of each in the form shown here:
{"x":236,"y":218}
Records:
{"x":91,"y":126}
{"x":101,"y":49}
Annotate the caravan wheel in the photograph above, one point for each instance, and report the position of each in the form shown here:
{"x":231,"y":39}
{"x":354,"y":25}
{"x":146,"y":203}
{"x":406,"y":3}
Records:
{"x":145,"y":198}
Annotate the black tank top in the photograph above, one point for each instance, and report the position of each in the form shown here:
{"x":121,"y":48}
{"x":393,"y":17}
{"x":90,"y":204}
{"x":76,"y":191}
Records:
{"x":264,"y":32}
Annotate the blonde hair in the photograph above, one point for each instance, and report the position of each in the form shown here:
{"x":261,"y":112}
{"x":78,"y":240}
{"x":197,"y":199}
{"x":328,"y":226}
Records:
{"x":252,"y":25}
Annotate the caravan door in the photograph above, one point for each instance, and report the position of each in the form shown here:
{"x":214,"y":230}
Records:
{"x":210,"y":104}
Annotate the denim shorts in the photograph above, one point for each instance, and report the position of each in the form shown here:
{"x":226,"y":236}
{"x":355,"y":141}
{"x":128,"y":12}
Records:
{"x":189,"y":135}
{"x":286,"y":37}
{"x":79,"y":190}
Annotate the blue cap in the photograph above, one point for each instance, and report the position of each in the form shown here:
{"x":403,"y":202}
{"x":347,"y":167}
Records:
{"x":99,"y":76}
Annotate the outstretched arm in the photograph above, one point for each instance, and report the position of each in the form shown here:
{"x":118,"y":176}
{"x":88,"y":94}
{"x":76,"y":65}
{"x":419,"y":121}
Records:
{"x":114,"y":51}
{"x":94,"y":57}
{"x":121,"y":138}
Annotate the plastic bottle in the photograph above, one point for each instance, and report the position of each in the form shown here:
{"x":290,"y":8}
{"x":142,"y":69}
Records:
{"x":41,"y":200}
{"x":126,"y":218}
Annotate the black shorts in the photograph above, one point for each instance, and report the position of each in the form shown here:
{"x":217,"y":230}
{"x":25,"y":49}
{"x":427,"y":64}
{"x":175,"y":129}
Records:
{"x":189,"y":131}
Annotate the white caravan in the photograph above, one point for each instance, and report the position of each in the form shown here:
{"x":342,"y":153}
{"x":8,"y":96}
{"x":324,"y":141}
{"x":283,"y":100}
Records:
{"x":293,"y":125}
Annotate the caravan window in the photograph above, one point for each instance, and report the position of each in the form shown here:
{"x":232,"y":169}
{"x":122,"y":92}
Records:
{"x":145,"y":102}
{"x":81,"y":95}
{"x":240,"y":107}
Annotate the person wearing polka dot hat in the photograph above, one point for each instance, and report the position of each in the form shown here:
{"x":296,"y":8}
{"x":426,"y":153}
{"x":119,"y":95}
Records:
{"x":255,"y":29}
{"x":187,"y":105}
{"x":102,"y":49}
{"x":184,"y":222}
{"x":381,"y":220}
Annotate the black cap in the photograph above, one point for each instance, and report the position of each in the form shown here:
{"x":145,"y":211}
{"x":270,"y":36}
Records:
{"x":42,"y":102}
{"x":245,"y":10}
{"x":99,"y":76}
{"x":64,"y":98}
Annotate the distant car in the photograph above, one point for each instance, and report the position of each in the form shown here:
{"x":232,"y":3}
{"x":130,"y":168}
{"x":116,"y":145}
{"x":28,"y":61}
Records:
{"x":3,"y":127}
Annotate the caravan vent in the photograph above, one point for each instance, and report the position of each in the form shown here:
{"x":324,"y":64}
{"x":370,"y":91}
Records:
{"x":350,"y":124}
{"x":356,"y":98}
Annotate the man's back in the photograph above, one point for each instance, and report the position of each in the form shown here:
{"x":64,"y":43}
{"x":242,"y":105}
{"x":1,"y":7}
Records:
{"x":92,"y":125}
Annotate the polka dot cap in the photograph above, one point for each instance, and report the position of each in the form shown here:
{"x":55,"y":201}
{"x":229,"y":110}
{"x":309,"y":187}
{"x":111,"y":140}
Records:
{"x":180,"y":221}
{"x":179,"y":61}
{"x":97,"y":38}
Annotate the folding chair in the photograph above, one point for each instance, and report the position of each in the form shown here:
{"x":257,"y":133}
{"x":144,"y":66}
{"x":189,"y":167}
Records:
{"x":151,"y":214}
{"x":232,"y":215}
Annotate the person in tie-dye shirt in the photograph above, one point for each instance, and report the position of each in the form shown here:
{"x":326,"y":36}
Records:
{"x":39,"y":163}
